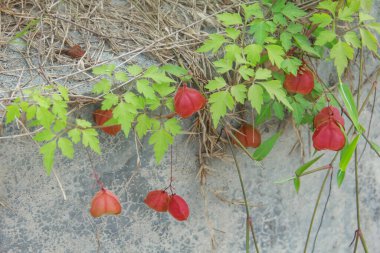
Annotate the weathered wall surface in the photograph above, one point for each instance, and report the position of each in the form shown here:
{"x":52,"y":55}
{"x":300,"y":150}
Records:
{"x":34,"y":217}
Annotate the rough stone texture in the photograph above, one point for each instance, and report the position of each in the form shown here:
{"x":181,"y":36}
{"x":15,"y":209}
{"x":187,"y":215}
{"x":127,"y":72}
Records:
{"x":35,"y":218}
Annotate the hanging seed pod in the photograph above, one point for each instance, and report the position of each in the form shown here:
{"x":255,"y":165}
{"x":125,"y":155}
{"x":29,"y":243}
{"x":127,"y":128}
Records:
{"x":74,"y":52}
{"x":101,"y":117}
{"x":327,"y":114}
{"x":248,"y":136}
{"x":187,"y":101}
{"x":329,"y":136}
{"x":178,"y":208}
{"x":158,"y":200}
{"x":302,"y":83}
{"x":105,"y":203}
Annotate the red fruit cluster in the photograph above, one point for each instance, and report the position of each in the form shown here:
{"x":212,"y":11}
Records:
{"x":328,"y":134}
{"x":105,"y":203}
{"x":160,"y":201}
{"x":101,"y":117}
{"x":187,"y":101}
{"x":302,"y":83}
{"x":248,"y":136}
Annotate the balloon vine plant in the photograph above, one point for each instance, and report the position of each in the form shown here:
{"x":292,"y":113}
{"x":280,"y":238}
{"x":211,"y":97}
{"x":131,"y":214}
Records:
{"x":263,"y":64}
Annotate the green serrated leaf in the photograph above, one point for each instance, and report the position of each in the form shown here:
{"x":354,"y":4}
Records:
{"x":323,"y":19}
{"x":74,"y":134}
{"x":216,"y":84}
{"x":294,"y":28}
{"x":286,"y":40}
{"x":274,"y":89}
{"x":13,"y":112}
{"x":347,"y":152}
{"x":232,"y":33}
{"x":234,"y":53}
{"x":253,"y":53}
{"x":103,"y":86}
{"x":144,"y":123}
{"x":292,"y":12}
{"x":44,"y":135}
{"x":175,"y":70}
{"x":59,"y":125}
{"x":239,"y":92}
{"x":264,"y":149}
{"x":291,"y":65}
{"x":252,"y":10}
{"x":352,"y":39}
{"x":134,"y":70}
{"x":64,"y":92}
{"x":341,"y":52}
{"x":307,"y":165}
{"x":328,"y":5}
{"x":369,"y":40}
{"x":121,"y":76}
{"x":228,"y":19}
{"x":161,"y":140}
{"x":90,"y":139}
{"x":125,"y":114}
{"x":365,"y":17}
{"x":105,"y":69}
{"x":246,"y":72}
{"x":219,"y":102}
{"x":278,"y":110}
{"x":260,"y":30}
{"x":303,"y":42}
{"x":173,"y":126}
{"x":223,"y":65}
{"x":48,"y":151}
{"x":275,"y":54}
{"x":255,"y":96}
{"x":109,"y":101}
{"x":163,"y":89}
{"x":213,"y":44}
{"x":66,"y":147}
{"x":325,"y":37}
{"x":44,"y":117}
{"x":374,"y":26}
{"x":263,"y":74}
{"x":144,"y":88}
{"x":83,"y":123}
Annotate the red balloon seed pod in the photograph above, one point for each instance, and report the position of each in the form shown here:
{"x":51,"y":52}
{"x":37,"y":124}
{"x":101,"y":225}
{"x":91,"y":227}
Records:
{"x":101,"y":117}
{"x":105,"y":203}
{"x":248,"y":136}
{"x":158,"y":200}
{"x":188,"y":101}
{"x":329,"y":136}
{"x":302,"y":83}
{"x":327,"y":114}
{"x":178,"y":208}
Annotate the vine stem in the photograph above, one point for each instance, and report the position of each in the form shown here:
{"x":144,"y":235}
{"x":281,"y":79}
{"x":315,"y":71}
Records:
{"x":249,"y":220}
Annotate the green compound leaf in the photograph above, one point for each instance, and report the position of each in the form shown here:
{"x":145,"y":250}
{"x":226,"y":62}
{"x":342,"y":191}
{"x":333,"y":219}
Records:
{"x":134,"y":70}
{"x":252,"y":10}
{"x":44,"y":135}
{"x":121,"y":76}
{"x":48,"y":151}
{"x":286,"y":40}
{"x":144,"y":123}
{"x":13,"y":112}
{"x":90,"y":139}
{"x":263,"y":150}
{"x":292,"y":12}
{"x":291,"y":65}
{"x":352,"y":39}
{"x":275,"y":54}
{"x":103,"y":86}
{"x":323,"y":19}
{"x":161,"y":140}
{"x":228,"y":19}
{"x":341,"y":52}
{"x":232,"y":33}
{"x":255,"y":96}
{"x":44,"y":117}
{"x":109,"y":101}
{"x":106,"y":69}
{"x":213,"y":44}
{"x":74,"y":134}
{"x":219,"y":102}
{"x":175,"y":70}
{"x":274,"y":89}
{"x":144,"y":88}
{"x":260,"y":30}
{"x":263,"y":74}
{"x":253,"y":53}
{"x":239,"y":92}
{"x":66,"y":147}
{"x":304,"y":43}
{"x":246,"y":72}
{"x":347,"y":152}
{"x":328,"y":5}
{"x":173,"y":126}
{"x":369,"y":40}
{"x":216,"y":84}
{"x":325,"y":37}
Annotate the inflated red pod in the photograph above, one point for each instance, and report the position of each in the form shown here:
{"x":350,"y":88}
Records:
{"x":248,"y":136}
{"x":158,"y":200}
{"x":105,"y":203}
{"x":187,"y":101}
{"x":178,"y":208}
{"x":302,"y":83}
{"x":327,"y":114}
{"x":329,"y":137}
{"x":101,"y":117}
